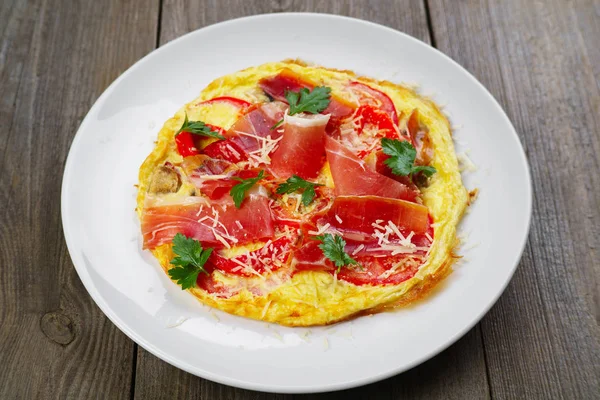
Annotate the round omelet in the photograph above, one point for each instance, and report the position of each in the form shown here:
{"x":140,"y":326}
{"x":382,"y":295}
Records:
{"x":314,"y":297}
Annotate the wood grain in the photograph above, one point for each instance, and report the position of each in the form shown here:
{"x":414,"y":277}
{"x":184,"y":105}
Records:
{"x":56,"y":59}
{"x":156,"y":379}
{"x":542,"y":338}
{"x":541,"y":60}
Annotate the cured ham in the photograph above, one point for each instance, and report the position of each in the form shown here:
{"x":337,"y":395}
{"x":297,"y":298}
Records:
{"x":287,"y":80}
{"x":214,"y":224}
{"x":361,"y":214}
{"x":210,"y":175}
{"x":253,"y":131}
{"x":311,"y":258}
{"x":351,"y":176}
{"x":373,"y":271}
{"x":302,"y":148}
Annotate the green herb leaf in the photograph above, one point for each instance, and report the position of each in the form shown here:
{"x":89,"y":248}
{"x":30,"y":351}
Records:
{"x":189,"y":262}
{"x":238,"y":192}
{"x":198,"y":128}
{"x":312,"y":102}
{"x":278,"y":124}
{"x":333,"y":248}
{"x":402,"y":158}
{"x":295,"y":183}
{"x":426,"y":170}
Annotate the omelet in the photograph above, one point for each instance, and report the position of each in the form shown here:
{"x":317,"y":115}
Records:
{"x":302,"y":195}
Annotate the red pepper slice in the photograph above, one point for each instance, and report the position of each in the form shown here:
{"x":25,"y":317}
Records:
{"x":280,"y":247}
{"x":374,"y":116}
{"x":239,"y":103}
{"x":185,"y":144}
{"x":386,"y":104}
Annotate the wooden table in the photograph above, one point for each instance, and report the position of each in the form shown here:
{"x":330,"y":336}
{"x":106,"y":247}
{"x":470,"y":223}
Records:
{"x":540,"y":59}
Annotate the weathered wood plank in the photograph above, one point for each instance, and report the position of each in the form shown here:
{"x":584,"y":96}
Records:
{"x":17,"y":33}
{"x":57,"y":57}
{"x":459,"y":372}
{"x":540,"y":60}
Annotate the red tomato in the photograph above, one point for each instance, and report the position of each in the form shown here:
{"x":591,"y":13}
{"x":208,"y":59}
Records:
{"x":185,"y":144}
{"x":239,"y":103}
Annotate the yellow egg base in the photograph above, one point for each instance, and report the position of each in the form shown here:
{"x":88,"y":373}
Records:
{"x":314,"y":297}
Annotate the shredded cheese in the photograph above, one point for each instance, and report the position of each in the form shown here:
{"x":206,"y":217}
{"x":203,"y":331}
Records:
{"x":321,"y":230}
{"x":212,"y":177}
{"x":232,"y":150}
{"x":465,"y":163}
{"x":265,"y":309}
{"x":266,"y":146}
{"x":358,"y":249}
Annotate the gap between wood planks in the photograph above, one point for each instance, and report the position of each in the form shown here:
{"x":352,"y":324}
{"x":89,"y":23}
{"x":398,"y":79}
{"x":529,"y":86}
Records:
{"x":421,"y":27}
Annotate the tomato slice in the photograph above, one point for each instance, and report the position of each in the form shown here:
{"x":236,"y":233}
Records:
{"x":225,"y":150}
{"x":185,"y":144}
{"x":269,"y":258}
{"x":378,"y":118}
{"x":379,"y":99}
{"x":239,"y":103}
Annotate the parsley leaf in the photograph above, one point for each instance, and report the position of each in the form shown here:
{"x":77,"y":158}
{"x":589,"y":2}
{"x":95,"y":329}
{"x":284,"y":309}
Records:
{"x":295,"y":183}
{"x":198,"y":128}
{"x":278,"y":124}
{"x":312,"y":102}
{"x":238,"y":192}
{"x":333,"y":248}
{"x":402,"y":158}
{"x":189,"y":262}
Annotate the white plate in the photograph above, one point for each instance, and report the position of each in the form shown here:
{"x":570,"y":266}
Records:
{"x":103,"y":234}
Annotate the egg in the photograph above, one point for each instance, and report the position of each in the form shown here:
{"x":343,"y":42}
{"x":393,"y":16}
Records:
{"x":308,"y":298}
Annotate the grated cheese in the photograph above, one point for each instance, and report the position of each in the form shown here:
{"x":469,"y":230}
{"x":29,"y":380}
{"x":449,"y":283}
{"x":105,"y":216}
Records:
{"x":465,"y":163}
{"x":265,"y":309}
{"x":321,"y":230}
{"x":212,"y":177}
{"x":232,"y":150}
{"x":358,"y":249}
{"x":221,"y":239}
{"x":179,"y":321}
{"x":239,"y":224}
{"x":266,"y":146}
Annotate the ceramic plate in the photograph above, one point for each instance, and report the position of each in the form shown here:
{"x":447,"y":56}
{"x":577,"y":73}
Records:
{"x":103,"y":233}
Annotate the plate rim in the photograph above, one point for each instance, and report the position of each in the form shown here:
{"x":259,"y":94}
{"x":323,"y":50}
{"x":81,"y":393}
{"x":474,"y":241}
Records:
{"x":206,"y":374}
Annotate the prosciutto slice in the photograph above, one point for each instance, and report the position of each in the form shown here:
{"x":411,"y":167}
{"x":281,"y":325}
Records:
{"x":212,"y":224}
{"x":302,"y":148}
{"x":248,"y":132}
{"x":211,"y":176}
{"x":361,"y":213}
{"x":287,"y":80}
{"x":352,"y":177}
